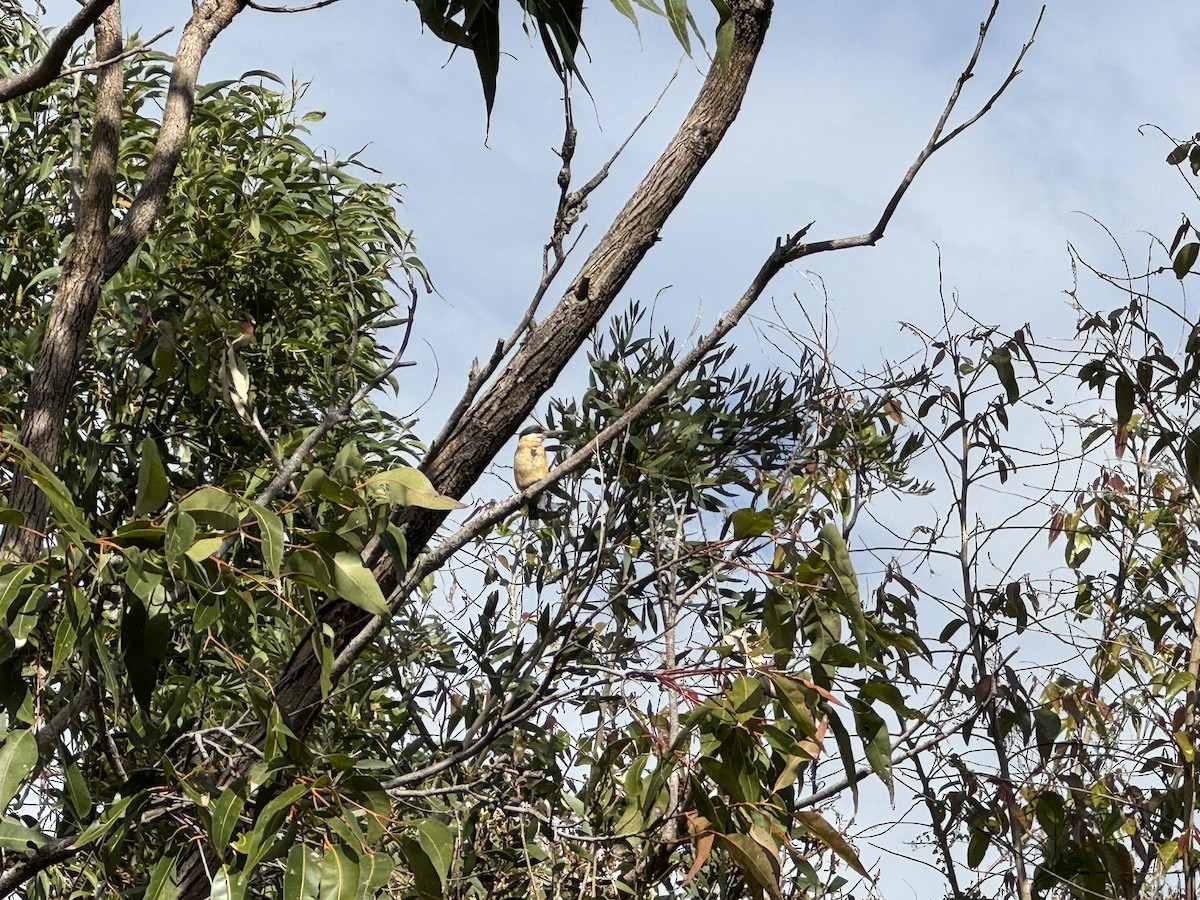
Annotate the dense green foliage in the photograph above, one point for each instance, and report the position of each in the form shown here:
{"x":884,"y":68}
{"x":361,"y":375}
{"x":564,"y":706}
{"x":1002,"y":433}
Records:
{"x":671,"y":683}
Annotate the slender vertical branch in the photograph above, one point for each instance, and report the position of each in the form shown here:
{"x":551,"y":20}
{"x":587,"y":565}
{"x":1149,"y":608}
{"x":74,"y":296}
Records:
{"x":76,"y":297}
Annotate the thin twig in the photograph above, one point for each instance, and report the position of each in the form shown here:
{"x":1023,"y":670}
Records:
{"x":124,"y":54}
{"x":936,"y":141}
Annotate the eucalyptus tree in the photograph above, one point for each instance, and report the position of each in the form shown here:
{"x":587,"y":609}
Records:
{"x":227,"y":664}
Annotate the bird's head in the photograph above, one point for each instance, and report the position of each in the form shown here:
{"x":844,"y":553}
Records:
{"x":534,"y":435}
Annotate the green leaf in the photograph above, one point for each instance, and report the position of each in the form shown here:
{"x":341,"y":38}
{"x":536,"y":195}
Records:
{"x":162,"y":881}
{"x":339,"y":875}
{"x":625,"y":8}
{"x":1079,"y":546}
{"x":226,"y":812}
{"x":308,"y":567}
{"x":211,"y":507}
{"x":78,"y":793}
{"x":1050,"y":812}
{"x":257,"y":842}
{"x":70,"y":517}
{"x":11,"y":583}
{"x":22,"y":838}
{"x":437,"y":840}
{"x":318,"y":482}
{"x":1191,"y":456}
{"x":1001,"y":361}
{"x":1179,"y":154}
{"x":228,"y":886}
{"x":846,"y":752}
{"x":18,"y":757}
{"x":152,"y":485}
{"x":354,"y":582}
{"x":977,"y":847}
{"x":270,"y":531}
{"x":181,"y":534}
{"x":677,"y":15}
{"x":263,"y":74}
{"x":725,"y":31}
{"x":374,"y":872}
{"x":836,"y":554}
{"x":302,"y":878}
{"x":376,"y":806}
{"x":204,"y":548}
{"x":759,"y":867}
{"x":102,"y":825}
{"x":144,"y":642}
{"x":407,"y":486}
{"x":816,"y":825}
{"x":1125,"y":399}
{"x":752,"y":523}
{"x":1185,"y":259}
{"x":791,"y":697}
{"x":873,"y":732}
{"x":484,"y":32}
{"x":426,"y":879}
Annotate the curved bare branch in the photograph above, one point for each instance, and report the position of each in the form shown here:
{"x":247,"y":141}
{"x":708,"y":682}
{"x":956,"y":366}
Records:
{"x":50,"y":66}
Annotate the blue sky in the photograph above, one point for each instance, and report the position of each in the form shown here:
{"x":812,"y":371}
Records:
{"x":843,"y":98}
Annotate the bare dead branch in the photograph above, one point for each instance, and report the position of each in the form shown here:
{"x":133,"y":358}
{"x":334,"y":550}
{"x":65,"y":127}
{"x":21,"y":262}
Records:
{"x":576,"y":201}
{"x":49,"y":66}
{"x":48,"y":734}
{"x":49,"y":854}
{"x":937,"y":139}
{"x":570,"y":205}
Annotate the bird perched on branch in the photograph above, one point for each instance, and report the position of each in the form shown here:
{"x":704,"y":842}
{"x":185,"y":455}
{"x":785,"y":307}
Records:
{"x":530,"y":464}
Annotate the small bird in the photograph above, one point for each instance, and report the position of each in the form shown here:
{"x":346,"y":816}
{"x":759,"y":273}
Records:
{"x":529,"y":463}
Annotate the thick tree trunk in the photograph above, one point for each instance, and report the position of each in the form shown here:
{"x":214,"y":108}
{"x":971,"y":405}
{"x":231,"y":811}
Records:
{"x":458,"y":462}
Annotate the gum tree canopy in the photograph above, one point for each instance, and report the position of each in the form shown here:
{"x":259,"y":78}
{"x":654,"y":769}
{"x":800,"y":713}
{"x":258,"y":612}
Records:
{"x":243,"y":655}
